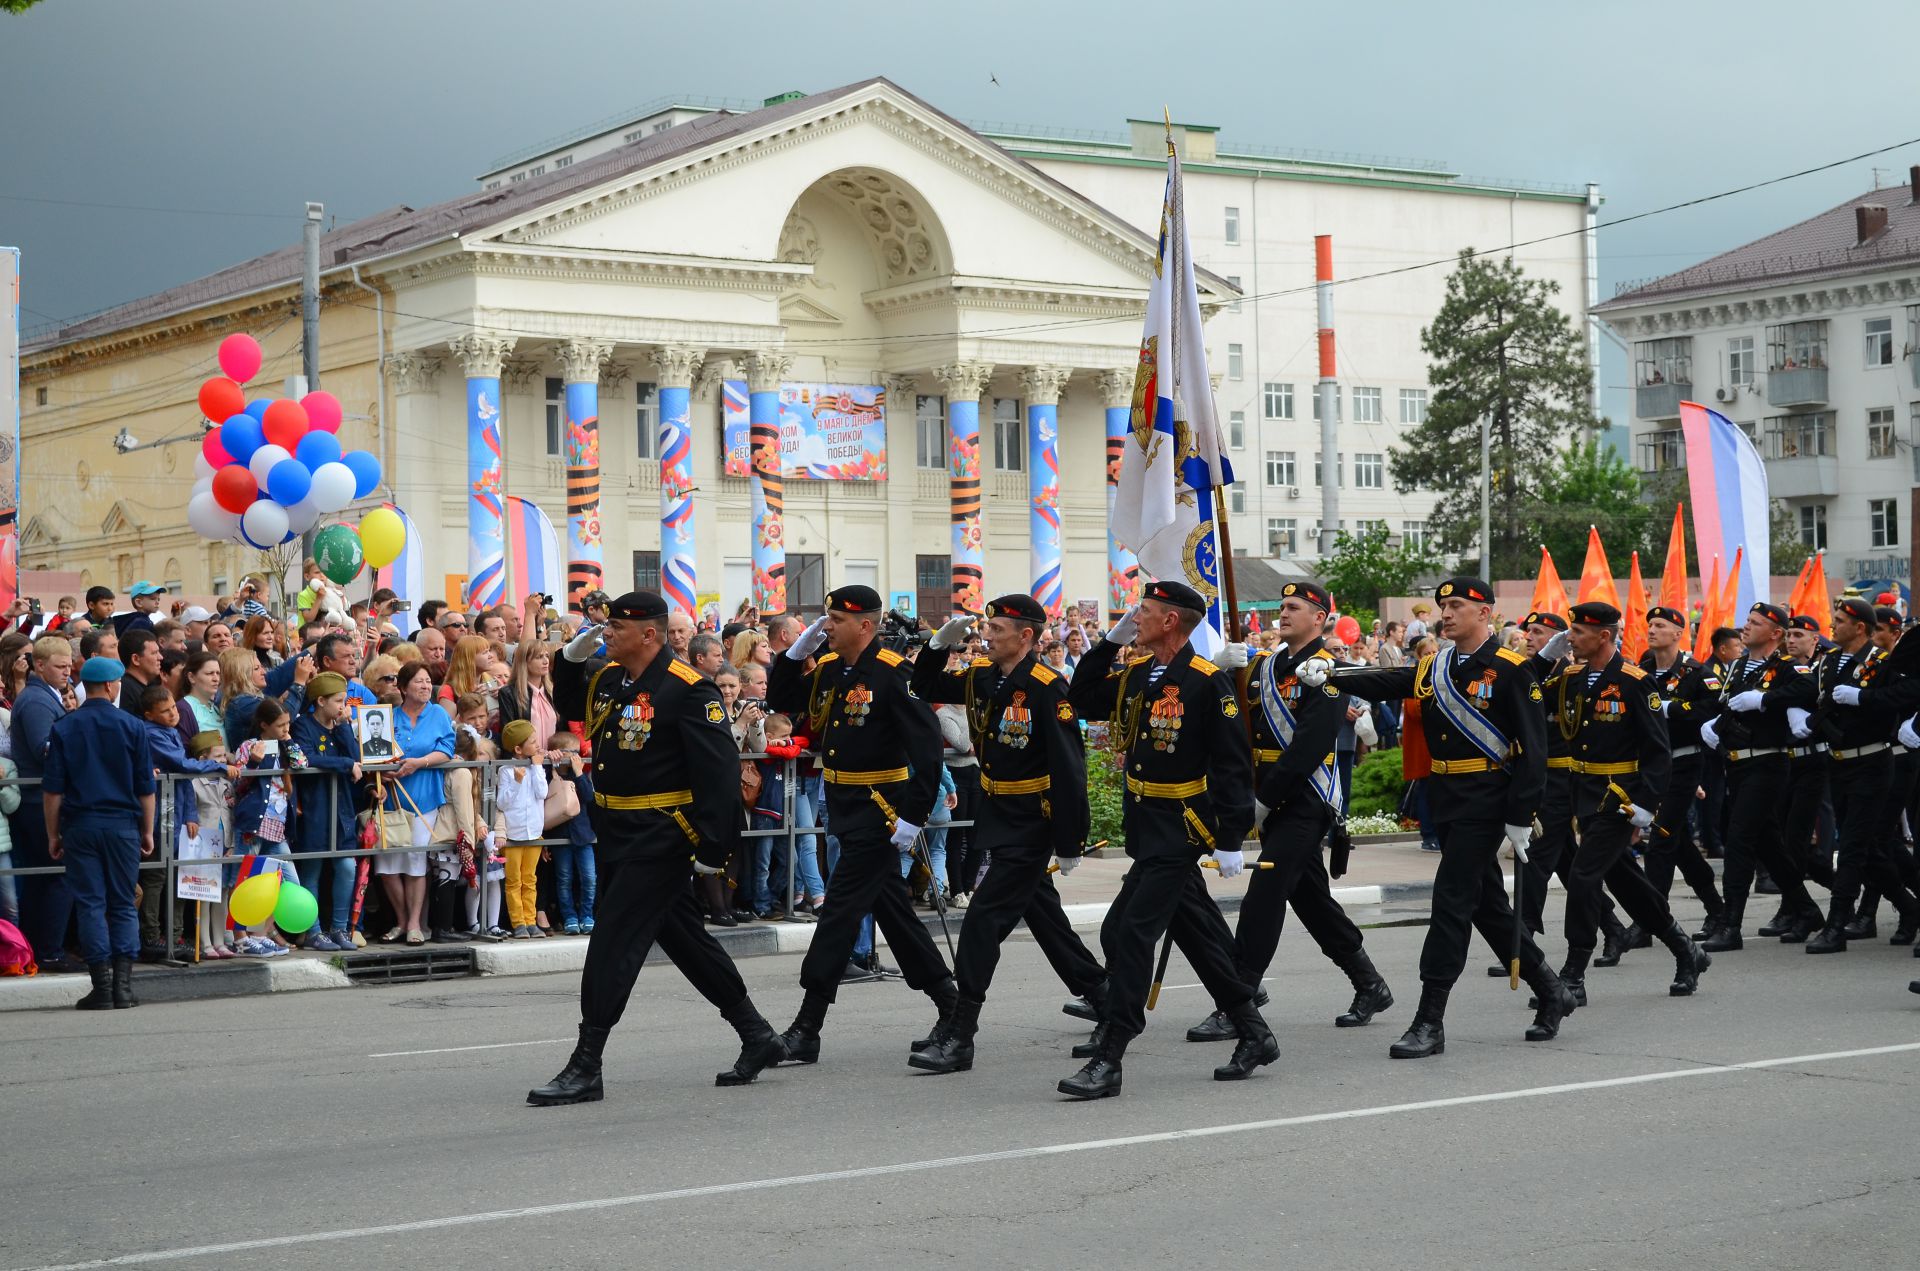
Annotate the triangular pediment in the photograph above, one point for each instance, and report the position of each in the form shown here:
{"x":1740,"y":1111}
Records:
{"x":120,"y":520}
{"x":38,"y":532}
{"x":797,"y":308}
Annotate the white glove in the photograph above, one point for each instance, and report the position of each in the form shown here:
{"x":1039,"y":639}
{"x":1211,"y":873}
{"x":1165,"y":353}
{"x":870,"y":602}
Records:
{"x":1666,"y":704}
{"x":1124,"y":630}
{"x":1845,"y":695}
{"x":1230,"y":863}
{"x":1641,"y":818}
{"x":1908,"y":737}
{"x":699,"y":868}
{"x":1709,"y":735}
{"x":1799,"y":723}
{"x":904,"y":833}
{"x":812,"y":638}
{"x":584,"y":645}
{"x":1066,"y":864}
{"x":1556,"y":648}
{"x":1260,"y":814}
{"x":1518,"y":836}
{"x":1232,"y":657}
{"x":1751,"y":700}
{"x":951,"y":632}
{"x":1312,"y":672}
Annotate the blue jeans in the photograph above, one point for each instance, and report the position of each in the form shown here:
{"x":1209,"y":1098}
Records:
{"x":337,"y":913}
{"x":103,"y":869}
{"x":573,"y":866}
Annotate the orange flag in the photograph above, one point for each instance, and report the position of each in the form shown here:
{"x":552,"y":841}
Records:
{"x":1633,"y":639}
{"x":1596,"y":577}
{"x":1730,"y":592}
{"x":1673,"y":578}
{"x":1549,"y":593}
{"x":1820,"y":597}
{"x":1797,"y":598}
{"x":1709,"y":616}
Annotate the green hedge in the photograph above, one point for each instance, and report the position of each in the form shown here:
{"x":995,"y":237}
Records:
{"x":1377,"y":785}
{"x":1105,"y":786}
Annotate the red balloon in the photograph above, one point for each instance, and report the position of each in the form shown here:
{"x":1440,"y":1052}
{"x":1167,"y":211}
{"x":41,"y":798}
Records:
{"x":284,"y":423}
{"x":215,"y":453}
{"x":221,"y":399}
{"x":1347,"y":630}
{"x":323,"y":411}
{"x":240,"y":356}
{"x":234,"y":488}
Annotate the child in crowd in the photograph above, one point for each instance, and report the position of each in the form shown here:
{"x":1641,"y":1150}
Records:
{"x":263,"y":805}
{"x":487,"y":880}
{"x":207,"y":822}
{"x":574,"y":878}
{"x":162,"y":715}
{"x":770,"y":814}
{"x":522,"y":799}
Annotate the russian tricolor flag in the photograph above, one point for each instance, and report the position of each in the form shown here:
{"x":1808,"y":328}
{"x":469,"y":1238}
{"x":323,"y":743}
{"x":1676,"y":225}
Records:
{"x":407,"y":574}
{"x":1728,"y":481}
{"x":534,"y":548}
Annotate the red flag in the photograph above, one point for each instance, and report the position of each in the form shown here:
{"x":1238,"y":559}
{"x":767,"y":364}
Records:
{"x":1596,"y":577}
{"x":1798,"y":596}
{"x":1549,"y":593}
{"x":1709,"y":616}
{"x":1633,"y":640}
{"x":1820,"y":597}
{"x":1730,"y":590}
{"x":1673,"y":578}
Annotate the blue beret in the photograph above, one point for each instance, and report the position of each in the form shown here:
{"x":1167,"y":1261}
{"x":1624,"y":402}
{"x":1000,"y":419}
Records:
{"x":102,"y":671}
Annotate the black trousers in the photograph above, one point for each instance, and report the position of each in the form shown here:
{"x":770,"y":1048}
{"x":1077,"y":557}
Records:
{"x":1807,"y":800}
{"x":867,"y":881}
{"x":1550,"y":855}
{"x":1469,"y":894}
{"x":1712,"y":812}
{"x":1291,"y":839}
{"x":1868,"y":816}
{"x":1670,"y":846}
{"x":963,"y":842}
{"x":1605,"y":857}
{"x":1163,"y":894}
{"x":1018,"y":888}
{"x":641,"y":902}
{"x":1757,"y":793}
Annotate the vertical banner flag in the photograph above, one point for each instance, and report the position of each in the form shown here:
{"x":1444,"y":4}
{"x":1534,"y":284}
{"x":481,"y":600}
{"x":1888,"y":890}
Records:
{"x":1820,"y":596}
{"x":533,"y":545}
{"x":1596,"y":576}
{"x":1172,"y":460}
{"x":1043,"y":472}
{"x":486,"y":552}
{"x":1549,"y":593}
{"x":1729,"y":487}
{"x":406,"y":575}
{"x":585,"y":566}
{"x":1673,"y":575}
{"x":9,"y":425}
{"x":769,"y":504}
{"x":677,"y":572}
{"x":1633,"y":638}
{"x":1732,"y":609}
{"x":1709,"y":614}
{"x":1123,"y":571}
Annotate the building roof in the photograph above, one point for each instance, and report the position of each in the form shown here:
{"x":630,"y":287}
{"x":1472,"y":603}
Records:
{"x":1822,"y":246}
{"x":402,"y":228}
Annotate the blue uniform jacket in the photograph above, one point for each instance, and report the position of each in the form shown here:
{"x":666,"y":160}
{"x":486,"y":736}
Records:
{"x":99,"y":760}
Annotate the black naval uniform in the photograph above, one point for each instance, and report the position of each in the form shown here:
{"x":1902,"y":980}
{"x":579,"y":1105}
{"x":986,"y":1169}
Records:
{"x":1690,"y":695}
{"x":1189,"y":792}
{"x":880,"y":748}
{"x":665,"y":773}
{"x":1809,"y":860}
{"x":1551,"y":852}
{"x":1032,"y":806}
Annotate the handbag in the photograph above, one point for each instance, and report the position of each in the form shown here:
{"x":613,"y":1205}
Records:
{"x":563,"y":803}
{"x":751,"y":782}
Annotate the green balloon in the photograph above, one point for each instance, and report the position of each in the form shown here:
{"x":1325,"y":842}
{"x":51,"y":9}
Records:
{"x":296,"y":910}
{"x":338,"y":552}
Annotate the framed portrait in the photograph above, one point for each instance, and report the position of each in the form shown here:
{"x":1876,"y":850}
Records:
{"x":374,"y":727}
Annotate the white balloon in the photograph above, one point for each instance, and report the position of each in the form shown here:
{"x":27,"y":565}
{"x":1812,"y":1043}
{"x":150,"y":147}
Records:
{"x":332,"y":487}
{"x":210,"y":520}
{"x":264,"y":524}
{"x":303,"y":516}
{"x":263,"y":460}
{"x":203,"y":486}
{"x":201,"y":468}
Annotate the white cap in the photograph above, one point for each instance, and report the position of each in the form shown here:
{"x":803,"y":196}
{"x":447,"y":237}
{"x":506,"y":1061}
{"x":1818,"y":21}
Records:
{"x":194,"y":613}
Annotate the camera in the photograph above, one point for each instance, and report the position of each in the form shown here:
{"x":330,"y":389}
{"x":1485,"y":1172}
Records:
{"x":899,"y":633}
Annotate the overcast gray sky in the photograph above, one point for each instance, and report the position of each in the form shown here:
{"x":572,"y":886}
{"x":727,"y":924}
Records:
{"x":253,"y":107}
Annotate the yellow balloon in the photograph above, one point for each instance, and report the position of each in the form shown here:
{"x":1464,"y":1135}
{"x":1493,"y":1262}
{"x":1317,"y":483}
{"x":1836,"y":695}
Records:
{"x":253,"y":900}
{"x":383,"y":535}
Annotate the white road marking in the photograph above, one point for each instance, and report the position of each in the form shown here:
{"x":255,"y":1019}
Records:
{"x":951,"y":1162}
{"x":451,"y":1050}
{"x":1169,"y":988}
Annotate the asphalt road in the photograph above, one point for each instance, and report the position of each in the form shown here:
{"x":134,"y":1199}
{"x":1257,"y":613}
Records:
{"x":386,"y":1126}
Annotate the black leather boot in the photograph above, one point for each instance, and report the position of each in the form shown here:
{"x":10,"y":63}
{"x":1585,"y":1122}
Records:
{"x":1777,"y":925}
{"x":1829,"y":939}
{"x":1556,"y":1002}
{"x":1100,"y":1079}
{"x":1091,"y":1047}
{"x":1257,"y":1047}
{"x":1214,"y":1028}
{"x":1909,"y":922}
{"x":1727,"y":935}
{"x":1370,"y":992}
{"x":944,"y":995}
{"x":953,"y":1052}
{"x":802,"y":1038}
{"x":1689,"y":962}
{"x":1088,"y":1005}
{"x":1614,"y":945}
{"x":1802,"y":925}
{"x":760,"y":1046}
{"x":579,"y":1081}
{"x":1425,"y":1036}
{"x":1573,"y":975}
{"x":1861,"y":927}
{"x":101,"y":998}
{"x":123,"y":984}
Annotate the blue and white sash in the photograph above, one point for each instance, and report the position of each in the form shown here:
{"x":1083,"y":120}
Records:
{"x":1461,"y":713}
{"x":1324,"y":781}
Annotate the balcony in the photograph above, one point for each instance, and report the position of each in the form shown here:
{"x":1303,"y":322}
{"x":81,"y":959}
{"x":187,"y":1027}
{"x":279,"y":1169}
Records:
{"x":1799,"y":456}
{"x":1797,"y":386}
{"x":1661,"y":451}
{"x":1660,"y":401}
{"x":1809,"y":476}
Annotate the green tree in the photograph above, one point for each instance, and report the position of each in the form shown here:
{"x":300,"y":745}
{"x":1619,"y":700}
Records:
{"x":1366,"y":566}
{"x":1665,"y":489}
{"x":1591,"y":485}
{"x":1504,"y":352}
{"x":17,"y":6}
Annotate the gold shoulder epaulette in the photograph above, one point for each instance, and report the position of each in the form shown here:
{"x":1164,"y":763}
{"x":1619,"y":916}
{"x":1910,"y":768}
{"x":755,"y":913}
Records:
{"x":890,"y":657}
{"x":825,"y":658}
{"x":1511,"y":656}
{"x":684,"y":671}
{"x":1044,"y":674}
{"x":981,"y":662}
{"x":1633,"y":672}
{"x":1203,"y":666}
{"x":1136,"y":661}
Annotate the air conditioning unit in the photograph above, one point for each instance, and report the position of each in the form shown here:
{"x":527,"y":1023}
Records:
{"x":1725,"y":394}
{"x":1293,"y":492}
{"x":1313,"y":531}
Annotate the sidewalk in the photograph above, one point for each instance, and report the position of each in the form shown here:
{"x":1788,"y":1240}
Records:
{"x":1381,"y":871}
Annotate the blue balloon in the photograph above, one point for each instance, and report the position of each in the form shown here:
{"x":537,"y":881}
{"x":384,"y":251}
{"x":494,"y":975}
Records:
{"x":258,"y":409}
{"x":317,"y":448}
{"x":240,"y":436}
{"x":288,"y":482}
{"x":366,"y":472}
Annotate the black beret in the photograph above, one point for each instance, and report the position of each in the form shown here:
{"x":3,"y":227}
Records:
{"x":1551,"y":621}
{"x":1771,"y":612}
{"x":1179,"y":595}
{"x":1858,"y":609}
{"x":1596,"y":613}
{"x":638,"y":604}
{"x":1674,"y":616}
{"x":1802,"y":622}
{"x":1311,"y":592}
{"x":1467,"y":586}
{"x":854,"y":599}
{"x":1888,"y":615}
{"x":1016,"y":605}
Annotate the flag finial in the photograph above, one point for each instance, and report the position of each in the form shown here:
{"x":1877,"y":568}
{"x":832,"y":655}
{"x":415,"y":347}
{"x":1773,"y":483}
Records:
{"x":1168,"y":116}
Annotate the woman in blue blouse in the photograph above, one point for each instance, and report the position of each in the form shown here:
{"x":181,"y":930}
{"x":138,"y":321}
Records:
{"x":424,"y":734}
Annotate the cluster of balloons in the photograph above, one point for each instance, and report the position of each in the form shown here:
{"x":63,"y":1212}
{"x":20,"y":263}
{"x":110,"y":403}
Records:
{"x":291,"y":906}
{"x":272,"y":468}
{"x":342,"y":551}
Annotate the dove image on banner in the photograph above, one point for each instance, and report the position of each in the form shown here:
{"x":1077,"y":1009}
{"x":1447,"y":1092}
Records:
{"x":1730,"y":509}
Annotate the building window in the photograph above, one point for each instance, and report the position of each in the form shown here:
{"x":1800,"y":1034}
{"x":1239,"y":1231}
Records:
{"x":1667,"y":361}
{"x":646,"y":422}
{"x":1813,"y":526}
{"x":538,"y":169}
{"x":1879,"y":342}
{"x":1796,"y":346}
{"x":1236,"y":362}
{"x":930,"y":433}
{"x":493,"y":185}
{"x":556,"y":415}
{"x":1233,"y":306}
{"x":1883,"y":522}
{"x":1365,"y":526}
{"x":1414,"y":535}
{"x":1233,"y":225}
{"x":1740,"y":361}
{"x":1009,"y":437}
{"x":564,"y":161}
{"x":1798,"y":436}
{"x":663,"y":125}
{"x":1237,"y":497}
{"x":1660,"y":451}
{"x":1237,"y":430}
{"x":1276,"y":400}
{"x":1283,"y":533}
{"x":806,"y":583}
{"x":646,"y":571}
{"x":1880,"y":433}
{"x":635,"y":135}
{"x":1413,"y":405}
{"x":1339,"y":468}
{"x":1338,"y":412}
{"x":1913,"y":438}
{"x":1281,"y":468}
{"x":517,"y":177}
{"x":1369,"y":472}
{"x":933,"y":585}
{"x":1366,"y":406}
